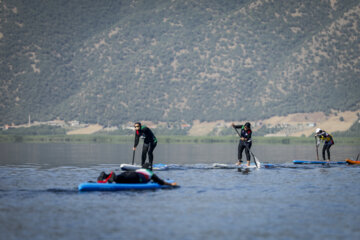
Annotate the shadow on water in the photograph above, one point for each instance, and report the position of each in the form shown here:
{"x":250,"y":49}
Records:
{"x":244,"y":171}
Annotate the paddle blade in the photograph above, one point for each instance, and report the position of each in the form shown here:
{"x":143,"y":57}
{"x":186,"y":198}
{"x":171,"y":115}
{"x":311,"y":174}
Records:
{"x":257,"y":162}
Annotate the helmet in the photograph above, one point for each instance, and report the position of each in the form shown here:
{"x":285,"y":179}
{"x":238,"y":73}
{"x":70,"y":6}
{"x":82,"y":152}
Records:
{"x":318,"y":130}
{"x":247,"y":124}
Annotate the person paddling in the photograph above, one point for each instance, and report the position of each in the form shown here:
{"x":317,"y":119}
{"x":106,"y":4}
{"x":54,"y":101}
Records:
{"x":149,"y":145}
{"x":245,"y":141}
{"x":328,"y":140}
{"x":142,"y":175}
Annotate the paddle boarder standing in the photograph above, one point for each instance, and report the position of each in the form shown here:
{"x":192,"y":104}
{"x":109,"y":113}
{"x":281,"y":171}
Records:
{"x":327,"y":139}
{"x":245,"y":141}
{"x":149,"y":145}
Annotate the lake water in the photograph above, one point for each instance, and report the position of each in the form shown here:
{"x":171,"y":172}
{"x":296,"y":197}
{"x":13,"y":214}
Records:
{"x":39,"y":197}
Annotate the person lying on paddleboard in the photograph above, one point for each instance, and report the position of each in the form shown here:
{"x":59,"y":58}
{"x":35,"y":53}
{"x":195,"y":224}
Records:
{"x":327,"y":139}
{"x":149,"y":145}
{"x":142,"y":175}
{"x":245,"y":141}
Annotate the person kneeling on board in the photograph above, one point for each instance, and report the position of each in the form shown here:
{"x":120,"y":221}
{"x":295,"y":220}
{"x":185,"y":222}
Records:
{"x":142,"y":175}
{"x":327,"y":139}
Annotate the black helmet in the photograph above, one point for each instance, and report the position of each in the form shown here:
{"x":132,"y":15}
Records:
{"x":248,"y":125}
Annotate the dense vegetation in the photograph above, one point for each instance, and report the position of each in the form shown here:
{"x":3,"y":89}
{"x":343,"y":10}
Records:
{"x":35,"y":130}
{"x":110,"y":62}
{"x":14,"y":134}
{"x":129,"y":139}
{"x":354,"y":131}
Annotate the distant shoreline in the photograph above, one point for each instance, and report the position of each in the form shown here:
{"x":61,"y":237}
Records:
{"x":118,"y":139}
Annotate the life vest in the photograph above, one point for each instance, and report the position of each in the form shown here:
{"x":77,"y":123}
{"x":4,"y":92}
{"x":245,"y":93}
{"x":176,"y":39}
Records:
{"x":246,"y":134}
{"x":326,"y":137}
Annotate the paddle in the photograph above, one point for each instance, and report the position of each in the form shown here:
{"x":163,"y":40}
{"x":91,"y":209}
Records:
{"x":317,"y":149}
{"x":133,"y":157}
{"x":134,"y":149}
{"x":256,"y":161}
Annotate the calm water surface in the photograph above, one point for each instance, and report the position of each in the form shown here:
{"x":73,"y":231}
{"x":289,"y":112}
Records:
{"x":39,"y":197}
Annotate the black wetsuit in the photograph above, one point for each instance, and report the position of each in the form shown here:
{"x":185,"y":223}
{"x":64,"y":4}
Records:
{"x":138,"y":176}
{"x":150,"y":143}
{"x":244,"y":144}
{"x":134,"y":177}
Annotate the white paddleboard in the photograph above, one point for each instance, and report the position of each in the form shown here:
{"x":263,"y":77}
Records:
{"x":129,"y":167}
{"x":231,"y":166}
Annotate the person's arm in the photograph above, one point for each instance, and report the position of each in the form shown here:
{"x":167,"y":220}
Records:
{"x":137,"y":138}
{"x":320,"y":138}
{"x":158,"y":180}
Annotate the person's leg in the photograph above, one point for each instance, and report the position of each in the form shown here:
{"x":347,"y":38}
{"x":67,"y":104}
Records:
{"x":150,"y":153}
{"x":323,"y":151}
{"x":328,"y":146}
{"x":247,"y":152}
{"x":144,"y":152}
{"x":240,"y":151}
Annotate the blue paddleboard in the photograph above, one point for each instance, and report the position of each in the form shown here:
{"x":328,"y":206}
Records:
{"x":89,"y":186}
{"x":269,"y":165}
{"x":317,"y":162}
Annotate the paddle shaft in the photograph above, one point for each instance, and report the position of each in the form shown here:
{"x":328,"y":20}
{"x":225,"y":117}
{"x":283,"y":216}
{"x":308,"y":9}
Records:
{"x":317,"y":149}
{"x":247,"y":148}
{"x":133,"y":157}
{"x":134,"y":151}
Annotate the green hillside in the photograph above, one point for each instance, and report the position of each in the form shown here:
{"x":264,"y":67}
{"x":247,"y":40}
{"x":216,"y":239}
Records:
{"x":110,"y":62}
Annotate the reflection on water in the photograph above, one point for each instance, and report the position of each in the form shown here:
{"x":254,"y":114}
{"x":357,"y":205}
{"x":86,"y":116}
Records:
{"x":39,"y":197}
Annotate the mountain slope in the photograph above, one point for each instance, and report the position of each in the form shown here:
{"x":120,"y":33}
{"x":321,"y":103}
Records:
{"x":117,"y":61}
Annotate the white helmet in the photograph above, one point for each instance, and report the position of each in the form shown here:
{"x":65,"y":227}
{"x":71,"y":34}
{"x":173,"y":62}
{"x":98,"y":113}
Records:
{"x":318,"y":130}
